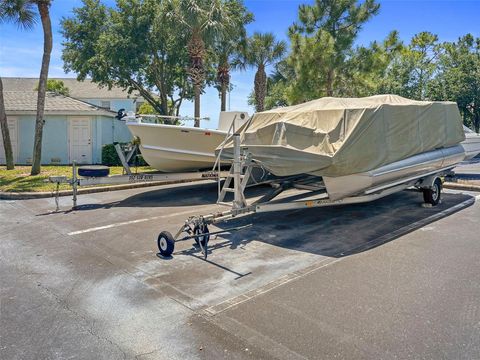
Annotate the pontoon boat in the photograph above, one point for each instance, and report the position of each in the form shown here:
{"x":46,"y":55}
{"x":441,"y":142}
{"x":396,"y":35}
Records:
{"x":359,"y":143}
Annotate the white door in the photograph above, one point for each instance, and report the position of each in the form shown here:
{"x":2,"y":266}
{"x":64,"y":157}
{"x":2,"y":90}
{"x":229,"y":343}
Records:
{"x":12,"y":127}
{"x":80,"y":140}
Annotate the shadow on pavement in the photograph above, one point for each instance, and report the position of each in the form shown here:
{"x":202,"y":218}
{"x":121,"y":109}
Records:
{"x":181,"y":195}
{"x":330,"y":231}
{"x":343,"y":230}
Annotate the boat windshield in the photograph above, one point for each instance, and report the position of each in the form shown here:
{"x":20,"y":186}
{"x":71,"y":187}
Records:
{"x":164,"y":119}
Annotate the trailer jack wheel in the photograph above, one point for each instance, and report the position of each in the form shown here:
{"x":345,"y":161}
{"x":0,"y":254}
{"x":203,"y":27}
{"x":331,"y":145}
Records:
{"x":432,"y":196}
{"x":204,"y":233}
{"x":166,"y":243}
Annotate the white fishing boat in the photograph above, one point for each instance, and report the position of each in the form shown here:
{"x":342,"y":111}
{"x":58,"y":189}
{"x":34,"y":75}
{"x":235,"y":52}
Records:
{"x":174,"y":148}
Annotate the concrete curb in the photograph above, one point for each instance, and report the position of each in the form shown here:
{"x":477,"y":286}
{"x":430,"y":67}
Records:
{"x":461,"y":186}
{"x":5,"y":195}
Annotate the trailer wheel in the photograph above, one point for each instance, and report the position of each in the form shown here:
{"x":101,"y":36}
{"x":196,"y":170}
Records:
{"x":201,"y":229}
{"x":432,"y":196}
{"x":165,"y":243}
{"x":93,"y":171}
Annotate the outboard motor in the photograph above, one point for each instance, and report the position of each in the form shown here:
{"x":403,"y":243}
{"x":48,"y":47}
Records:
{"x":121,"y":114}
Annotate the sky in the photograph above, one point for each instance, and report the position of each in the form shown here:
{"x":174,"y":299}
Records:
{"x":21,"y":50}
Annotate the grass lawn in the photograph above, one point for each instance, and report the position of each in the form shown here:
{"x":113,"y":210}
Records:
{"x":19,"y":180}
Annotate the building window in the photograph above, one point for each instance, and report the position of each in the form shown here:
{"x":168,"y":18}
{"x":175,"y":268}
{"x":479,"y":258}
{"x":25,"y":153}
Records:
{"x":105,"y":104}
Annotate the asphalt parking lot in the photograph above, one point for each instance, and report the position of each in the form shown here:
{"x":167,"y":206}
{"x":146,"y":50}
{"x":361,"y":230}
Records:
{"x":388,"y":279}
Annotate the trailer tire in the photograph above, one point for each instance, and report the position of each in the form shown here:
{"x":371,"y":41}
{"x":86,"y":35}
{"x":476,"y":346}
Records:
{"x":165,"y":243}
{"x":94,"y":171}
{"x":201,"y":229}
{"x":432,"y":196}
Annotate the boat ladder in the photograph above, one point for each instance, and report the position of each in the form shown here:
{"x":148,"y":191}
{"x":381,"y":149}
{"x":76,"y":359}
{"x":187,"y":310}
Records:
{"x":240,"y":174}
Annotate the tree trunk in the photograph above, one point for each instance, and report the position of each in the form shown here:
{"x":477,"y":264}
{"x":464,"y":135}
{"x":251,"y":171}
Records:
{"x":197,"y":52}
{"x":7,"y":145}
{"x":43,"y":9}
{"x":330,"y":82}
{"x":197,"y":106}
{"x":260,"y":87}
{"x":476,"y":122}
{"x":177,"y":109}
{"x":223,"y":97}
{"x":164,"y":103}
{"x":223,"y":79}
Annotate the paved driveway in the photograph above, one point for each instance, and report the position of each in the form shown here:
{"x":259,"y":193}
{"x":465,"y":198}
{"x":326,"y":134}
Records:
{"x":389,"y":279}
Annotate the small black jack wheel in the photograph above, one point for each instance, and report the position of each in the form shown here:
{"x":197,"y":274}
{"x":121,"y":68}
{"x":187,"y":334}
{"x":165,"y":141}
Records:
{"x":432,"y":196}
{"x":165,"y":243}
{"x":201,"y":229}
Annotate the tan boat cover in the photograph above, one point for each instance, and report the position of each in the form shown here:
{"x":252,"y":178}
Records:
{"x":341,"y":136}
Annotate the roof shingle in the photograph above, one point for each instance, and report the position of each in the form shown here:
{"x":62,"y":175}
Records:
{"x":77,"y":89}
{"x":25,"y":102}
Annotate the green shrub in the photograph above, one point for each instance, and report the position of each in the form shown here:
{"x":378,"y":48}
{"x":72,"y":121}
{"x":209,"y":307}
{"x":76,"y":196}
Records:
{"x":56,"y":86}
{"x":110,"y":157}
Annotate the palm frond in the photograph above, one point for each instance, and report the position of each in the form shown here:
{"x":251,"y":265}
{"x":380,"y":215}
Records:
{"x":263,"y":49}
{"x":20,"y":12}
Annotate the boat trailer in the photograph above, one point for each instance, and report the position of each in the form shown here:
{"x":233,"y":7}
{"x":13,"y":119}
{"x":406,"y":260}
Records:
{"x":312,"y":193}
{"x":98,"y":175}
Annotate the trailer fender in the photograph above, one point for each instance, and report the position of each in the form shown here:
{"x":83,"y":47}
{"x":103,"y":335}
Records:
{"x":428,"y":182}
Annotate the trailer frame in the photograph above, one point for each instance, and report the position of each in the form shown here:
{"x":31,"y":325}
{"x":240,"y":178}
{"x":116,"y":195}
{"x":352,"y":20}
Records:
{"x":315,"y":195}
{"x":76,"y":181}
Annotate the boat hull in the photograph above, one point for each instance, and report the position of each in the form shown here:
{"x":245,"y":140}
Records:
{"x":396,"y":172}
{"x":171,"y":148}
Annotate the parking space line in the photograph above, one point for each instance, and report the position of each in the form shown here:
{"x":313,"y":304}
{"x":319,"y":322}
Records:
{"x":227,"y":304}
{"x":109,"y":226}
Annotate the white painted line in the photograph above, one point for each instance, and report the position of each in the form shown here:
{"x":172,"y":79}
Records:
{"x":212,"y":310}
{"x":109,"y":226}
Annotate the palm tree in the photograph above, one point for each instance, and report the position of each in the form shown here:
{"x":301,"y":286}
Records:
{"x":228,"y":47}
{"x":262,"y":50}
{"x":227,"y":52}
{"x":44,"y":11}
{"x":223,"y":75}
{"x":7,"y":144}
{"x":203,"y":21}
{"x":22,"y":12}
